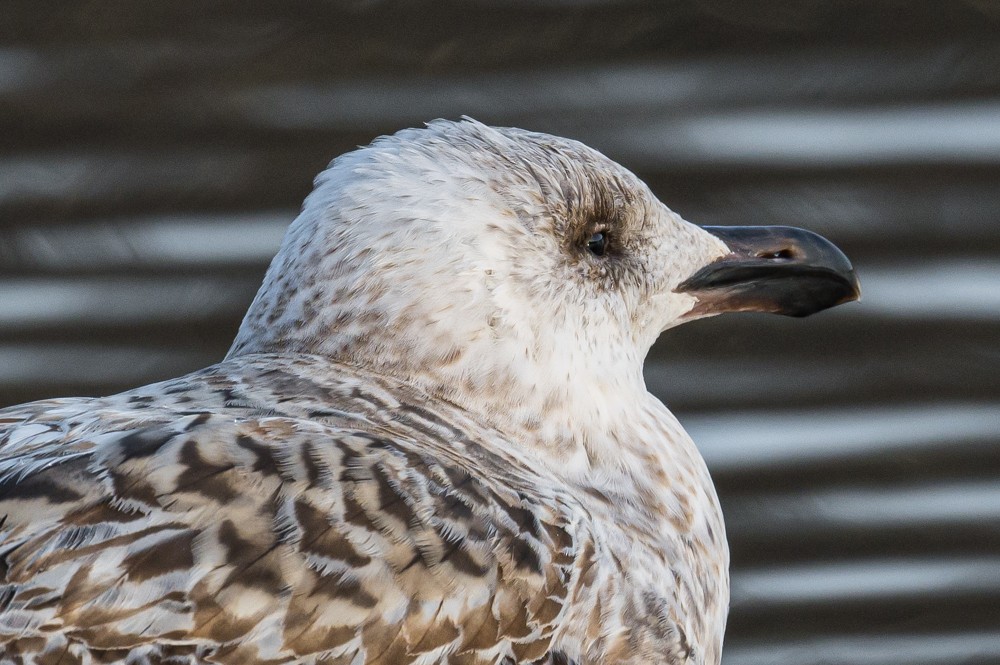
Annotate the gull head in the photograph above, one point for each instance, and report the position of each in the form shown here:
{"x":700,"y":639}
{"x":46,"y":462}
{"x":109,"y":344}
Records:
{"x":520,"y":275}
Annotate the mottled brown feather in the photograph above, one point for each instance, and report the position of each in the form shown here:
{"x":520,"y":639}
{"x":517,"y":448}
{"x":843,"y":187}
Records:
{"x":314,"y":515}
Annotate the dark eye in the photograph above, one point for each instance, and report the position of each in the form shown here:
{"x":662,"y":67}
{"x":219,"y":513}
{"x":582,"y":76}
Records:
{"x":598,"y":243}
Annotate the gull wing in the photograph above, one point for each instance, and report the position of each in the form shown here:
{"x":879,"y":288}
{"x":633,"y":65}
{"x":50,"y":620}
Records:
{"x":270,"y":539}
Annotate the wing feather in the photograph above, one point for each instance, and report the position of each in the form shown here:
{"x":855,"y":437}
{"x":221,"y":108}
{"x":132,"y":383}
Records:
{"x":269,"y":539}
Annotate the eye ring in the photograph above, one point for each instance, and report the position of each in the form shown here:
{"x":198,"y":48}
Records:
{"x":597,"y":244}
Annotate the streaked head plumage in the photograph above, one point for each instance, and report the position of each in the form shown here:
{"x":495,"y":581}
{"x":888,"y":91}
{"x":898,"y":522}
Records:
{"x":462,"y":256}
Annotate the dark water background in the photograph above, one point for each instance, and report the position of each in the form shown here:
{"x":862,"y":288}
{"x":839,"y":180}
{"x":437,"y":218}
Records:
{"x":151,"y":154}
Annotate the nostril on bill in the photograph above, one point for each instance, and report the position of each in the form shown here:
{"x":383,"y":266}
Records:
{"x":777,"y":254}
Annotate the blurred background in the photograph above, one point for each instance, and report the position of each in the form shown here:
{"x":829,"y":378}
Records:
{"x":152,"y":153}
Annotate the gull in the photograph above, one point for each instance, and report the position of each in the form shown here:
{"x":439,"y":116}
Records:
{"x":429,"y":443}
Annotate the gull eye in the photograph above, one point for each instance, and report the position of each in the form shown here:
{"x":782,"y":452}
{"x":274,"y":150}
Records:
{"x":598,"y":243}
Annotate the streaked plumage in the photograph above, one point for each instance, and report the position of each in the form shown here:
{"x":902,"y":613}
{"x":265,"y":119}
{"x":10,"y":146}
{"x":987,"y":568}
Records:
{"x":430,"y":442}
